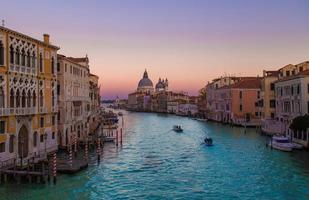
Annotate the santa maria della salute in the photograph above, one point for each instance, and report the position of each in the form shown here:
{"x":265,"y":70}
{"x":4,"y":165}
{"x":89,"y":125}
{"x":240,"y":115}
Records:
{"x":145,"y":85}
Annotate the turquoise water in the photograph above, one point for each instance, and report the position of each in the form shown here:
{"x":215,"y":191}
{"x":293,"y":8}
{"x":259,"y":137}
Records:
{"x":156,"y":163}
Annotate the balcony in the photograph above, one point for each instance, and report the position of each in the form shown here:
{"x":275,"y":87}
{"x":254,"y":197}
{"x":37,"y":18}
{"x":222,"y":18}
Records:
{"x":22,"y":69}
{"x":42,"y":110}
{"x":17,"y":111}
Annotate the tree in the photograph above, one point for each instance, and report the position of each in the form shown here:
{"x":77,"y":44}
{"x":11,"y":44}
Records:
{"x":300,"y":123}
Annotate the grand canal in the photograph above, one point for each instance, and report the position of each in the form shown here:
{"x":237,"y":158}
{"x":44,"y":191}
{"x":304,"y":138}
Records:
{"x":157,"y":163}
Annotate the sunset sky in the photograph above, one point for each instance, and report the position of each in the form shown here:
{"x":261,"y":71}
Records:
{"x":188,"y":41}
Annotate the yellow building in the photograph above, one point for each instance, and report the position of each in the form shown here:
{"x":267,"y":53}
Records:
{"x":28,"y":104}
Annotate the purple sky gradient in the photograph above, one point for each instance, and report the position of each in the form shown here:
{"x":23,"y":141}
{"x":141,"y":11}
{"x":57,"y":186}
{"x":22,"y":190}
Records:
{"x":189,"y":42}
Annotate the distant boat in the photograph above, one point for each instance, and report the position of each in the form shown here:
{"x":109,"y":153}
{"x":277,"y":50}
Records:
{"x":120,"y":114}
{"x":177,"y":128}
{"x":208,"y":141}
{"x":281,"y":143}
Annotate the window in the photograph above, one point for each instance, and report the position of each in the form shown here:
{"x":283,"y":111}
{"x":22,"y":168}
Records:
{"x":58,"y":89}
{"x":41,"y":99}
{"x":308,"y":88}
{"x":287,"y":73}
{"x":256,"y":114}
{"x":11,"y":144}
{"x":298,"y":89}
{"x":258,"y":94}
{"x":58,"y":117}
{"x":58,"y":67}
{"x":53,"y":135}
{"x":42,"y":122}
{"x":28,"y":59}
{"x":12,"y":53}
{"x":52,"y":65}
{"x":272,"y":86}
{"x":301,"y":69}
{"x":41,"y":62}
{"x":65,"y":67}
{"x":1,"y":97}
{"x":308,"y":107}
{"x":272,"y":103}
{"x":34,"y":99}
{"x":272,"y":115}
{"x":41,"y":138}
{"x":17,"y":56}
{"x":2,"y":147}
{"x":2,"y":127}
{"x":35,"y":138}
{"x":240,"y":107}
{"x":53,"y":120}
{"x":23,"y":58}
{"x":240,"y":94}
{"x":1,"y":53}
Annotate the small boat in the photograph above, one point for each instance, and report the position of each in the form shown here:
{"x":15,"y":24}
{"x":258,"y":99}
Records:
{"x":177,"y":128}
{"x":297,"y":146}
{"x":281,"y":143}
{"x":120,"y":114}
{"x":208,"y":141}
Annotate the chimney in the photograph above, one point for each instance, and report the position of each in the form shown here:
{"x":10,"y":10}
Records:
{"x":46,"y":38}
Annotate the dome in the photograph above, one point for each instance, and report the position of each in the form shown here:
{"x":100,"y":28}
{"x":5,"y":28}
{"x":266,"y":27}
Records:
{"x":145,"y":81}
{"x":160,"y":85}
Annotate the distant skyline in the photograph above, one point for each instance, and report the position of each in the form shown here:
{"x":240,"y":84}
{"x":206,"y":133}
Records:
{"x":188,"y":42}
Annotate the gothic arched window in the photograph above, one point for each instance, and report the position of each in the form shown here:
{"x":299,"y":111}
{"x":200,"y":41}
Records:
{"x":12,"y":54}
{"x":53,"y":99}
{"x":1,"y":53}
{"x":1,"y":97}
{"x":35,"y":138}
{"x":29,"y":99}
{"x":28,"y":58}
{"x":41,"y":99}
{"x":17,"y":60}
{"x":33,"y":99}
{"x":17,"y":99}
{"x":52,"y":65}
{"x":33,"y":60}
{"x":12,"y":98}
{"x":41,"y":62}
{"x":23,"y":58}
{"x":23,"y":99}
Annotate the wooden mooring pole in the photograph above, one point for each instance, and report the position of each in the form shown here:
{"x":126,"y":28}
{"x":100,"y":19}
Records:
{"x":55,"y":168}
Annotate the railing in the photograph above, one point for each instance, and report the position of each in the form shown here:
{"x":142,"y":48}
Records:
{"x":42,"y":110}
{"x":17,"y":111}
{"x":22,"y":69}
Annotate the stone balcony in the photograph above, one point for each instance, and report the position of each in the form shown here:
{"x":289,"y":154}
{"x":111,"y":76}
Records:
{"x":22,"y":69}
{"x":17,"y":111}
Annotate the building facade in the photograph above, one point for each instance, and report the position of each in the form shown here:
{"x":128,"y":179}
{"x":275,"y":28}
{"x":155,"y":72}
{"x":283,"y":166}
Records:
{"x":28,"y":101}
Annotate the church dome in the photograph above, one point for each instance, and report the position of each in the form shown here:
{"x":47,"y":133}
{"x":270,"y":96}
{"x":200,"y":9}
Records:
{"x":145,"y":81}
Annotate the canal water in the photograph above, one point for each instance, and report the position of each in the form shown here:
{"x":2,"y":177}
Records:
{"x":157,"y":163}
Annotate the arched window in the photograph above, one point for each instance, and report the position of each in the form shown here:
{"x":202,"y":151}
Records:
{"x":33,"y":99}
{"x":17,"y":60}
{"x":12,"y":98}
{"x":17,"y":99}
{"x":53,"y":99}
{"x":29,"y":99}
{"x":11,"y":143}
{"x":41,"y":99}
{"x":33,"y":60}
{"x":52,"y":65}
{"x":23,"y":99}
{"x":23,"y":58}
{"x":41,"y":62}
{"x":1,"y":53}
{"x":12,"y":54}
{"x":35,"y":139}
{"x":28,"y":58}
{"x":1,"y":97}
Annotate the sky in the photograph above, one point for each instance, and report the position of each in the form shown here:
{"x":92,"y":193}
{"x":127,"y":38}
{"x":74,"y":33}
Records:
{"x":190,"y":42}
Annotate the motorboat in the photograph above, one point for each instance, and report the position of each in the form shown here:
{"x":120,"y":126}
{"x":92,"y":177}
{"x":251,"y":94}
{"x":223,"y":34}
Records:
{"x":208,"y":141}
{"x":120,"y":114}
{"x":177,"y":128}
{"x":297,"y":146}
{"x":281,"y":143}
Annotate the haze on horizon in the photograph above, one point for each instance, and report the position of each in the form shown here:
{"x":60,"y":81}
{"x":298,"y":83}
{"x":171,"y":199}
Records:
{"x":189,"y":42}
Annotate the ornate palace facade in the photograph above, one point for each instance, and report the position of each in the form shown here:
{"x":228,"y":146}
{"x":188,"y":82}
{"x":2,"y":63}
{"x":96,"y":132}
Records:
{"x":28,"y":104}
